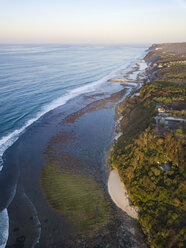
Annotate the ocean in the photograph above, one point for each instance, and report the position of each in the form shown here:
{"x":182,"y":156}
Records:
{"x":35,"y":79}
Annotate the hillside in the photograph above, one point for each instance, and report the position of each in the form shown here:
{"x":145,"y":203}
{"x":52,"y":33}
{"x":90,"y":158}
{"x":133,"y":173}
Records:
{"x":150,"y":155}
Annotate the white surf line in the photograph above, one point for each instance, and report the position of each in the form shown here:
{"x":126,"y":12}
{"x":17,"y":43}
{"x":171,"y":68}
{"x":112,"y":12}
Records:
{"x":4,"y":228}
{"x":11,"y":138}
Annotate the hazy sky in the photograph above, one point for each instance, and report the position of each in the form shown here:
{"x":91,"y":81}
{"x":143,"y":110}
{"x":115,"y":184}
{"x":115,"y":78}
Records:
{"x":92,"y":21}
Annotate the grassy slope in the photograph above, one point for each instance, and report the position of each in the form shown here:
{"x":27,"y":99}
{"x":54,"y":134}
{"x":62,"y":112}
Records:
{"x":142,"y":149}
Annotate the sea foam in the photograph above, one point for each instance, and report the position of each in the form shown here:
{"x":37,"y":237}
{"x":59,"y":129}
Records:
{"x":9,"y":139}
{"x":4,"y":227}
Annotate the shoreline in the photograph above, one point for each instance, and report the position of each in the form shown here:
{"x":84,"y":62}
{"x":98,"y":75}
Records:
{"x":119,"y":194}
{"x":150,"y":150}
{"x":116,"y":187}
{"x":60,"y":122}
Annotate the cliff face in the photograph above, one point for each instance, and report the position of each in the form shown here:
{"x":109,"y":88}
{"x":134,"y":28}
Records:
{"x":150,"y":155}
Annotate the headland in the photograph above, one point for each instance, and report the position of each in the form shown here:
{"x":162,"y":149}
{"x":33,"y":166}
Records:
{"x":149,"y":154}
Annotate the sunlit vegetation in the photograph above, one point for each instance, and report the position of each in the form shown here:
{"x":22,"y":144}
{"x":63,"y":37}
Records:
{"x":152,"y":164}
{"x":158,"y":193}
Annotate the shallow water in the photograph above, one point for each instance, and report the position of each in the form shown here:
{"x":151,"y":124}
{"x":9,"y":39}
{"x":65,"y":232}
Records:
{"x":37,"y":78}
{"x":44,"y":80}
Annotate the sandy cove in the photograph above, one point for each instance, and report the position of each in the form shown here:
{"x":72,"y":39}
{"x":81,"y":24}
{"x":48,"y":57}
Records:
{"x":119,"y":194}
{"x":116,"y":187}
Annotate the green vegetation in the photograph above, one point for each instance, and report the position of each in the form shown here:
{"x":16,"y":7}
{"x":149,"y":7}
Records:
{"x":150,"y":157}
{"x":174,"y":72}
{"x":158,"y":193}
{"x":179,"y":114}
{"x":80,"y":198}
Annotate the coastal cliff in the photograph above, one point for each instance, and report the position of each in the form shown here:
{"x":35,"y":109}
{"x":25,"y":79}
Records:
{"x":149,"y":155}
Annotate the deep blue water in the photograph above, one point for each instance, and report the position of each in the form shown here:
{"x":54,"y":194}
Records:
{"x":37,"y":78}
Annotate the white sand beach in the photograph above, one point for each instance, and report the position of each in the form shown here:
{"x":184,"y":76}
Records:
{"x":119,"y":194}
